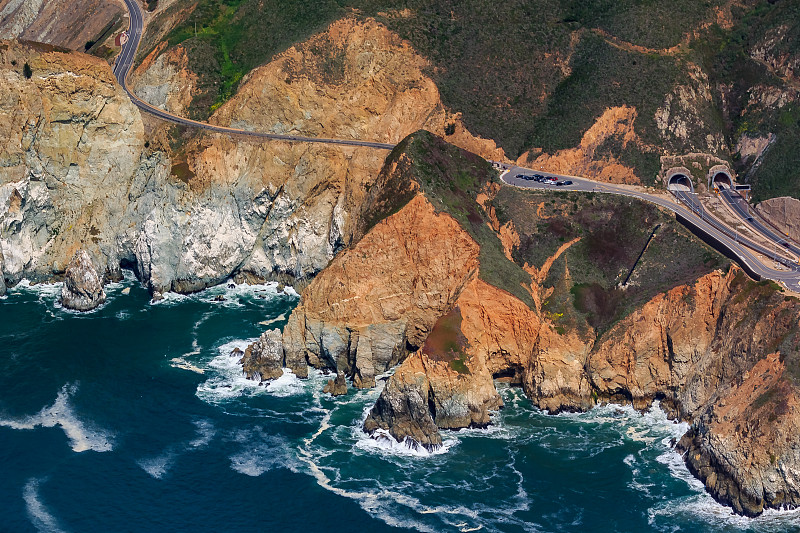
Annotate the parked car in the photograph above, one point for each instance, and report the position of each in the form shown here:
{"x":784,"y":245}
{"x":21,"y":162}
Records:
{"x":566,"y":182}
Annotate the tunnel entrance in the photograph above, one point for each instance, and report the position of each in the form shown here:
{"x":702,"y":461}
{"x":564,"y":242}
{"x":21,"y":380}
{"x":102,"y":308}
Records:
{"x":722,"y":180}
{"x":680,"y":182}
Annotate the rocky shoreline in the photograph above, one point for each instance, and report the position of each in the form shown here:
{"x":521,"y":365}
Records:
{"x":697,"y":348}
{"x":418,"y":262}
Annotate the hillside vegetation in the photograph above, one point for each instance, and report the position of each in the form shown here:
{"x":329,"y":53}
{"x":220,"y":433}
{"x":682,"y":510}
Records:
{"x":538,"y":74}
{"x":587,"y":280}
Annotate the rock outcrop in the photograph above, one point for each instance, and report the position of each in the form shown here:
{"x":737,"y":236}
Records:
{"x":615,"y":124}
{"x":263,"y":360}
{"x":83,"y":288}
{"x":67,"y":23}
{"x":784,"y":214}
{"x":363,"y":324}
{"x":693,"y":347}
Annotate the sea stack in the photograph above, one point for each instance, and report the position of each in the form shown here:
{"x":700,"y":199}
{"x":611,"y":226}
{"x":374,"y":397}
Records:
{"x":83,"y":288}
{"x":263,"y":360}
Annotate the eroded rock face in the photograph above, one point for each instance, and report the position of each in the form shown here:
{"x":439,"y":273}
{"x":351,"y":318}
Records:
{"x":745,"y":448}
{"x":616,"y":123}
{"x":83,"y":288}
{"x":2,"y":278}
{"x":337,"y":386}
{"x":76,"y":172}
{"x":783,"y":213}
{"x":403,"y":409}
{"x":165,"y":81}
{"x":362,"y":324}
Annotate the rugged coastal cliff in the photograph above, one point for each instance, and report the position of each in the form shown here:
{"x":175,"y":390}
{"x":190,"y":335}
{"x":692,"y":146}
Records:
{"x":186,"y":211}
{"x":694,"y":343}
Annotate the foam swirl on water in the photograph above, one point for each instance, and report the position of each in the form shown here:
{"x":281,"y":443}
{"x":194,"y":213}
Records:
{"x":83,"y":435}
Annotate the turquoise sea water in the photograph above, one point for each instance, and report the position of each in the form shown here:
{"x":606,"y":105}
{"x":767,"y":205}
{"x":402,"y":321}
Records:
{"x":108,"y":424}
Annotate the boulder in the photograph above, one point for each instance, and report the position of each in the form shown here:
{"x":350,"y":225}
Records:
{"x":83,"y":287}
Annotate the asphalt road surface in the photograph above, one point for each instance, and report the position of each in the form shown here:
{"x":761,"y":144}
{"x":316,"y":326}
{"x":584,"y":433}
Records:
{"x":689,"y":210}
{"x":740,"y":207}
{"x":123,"y":66}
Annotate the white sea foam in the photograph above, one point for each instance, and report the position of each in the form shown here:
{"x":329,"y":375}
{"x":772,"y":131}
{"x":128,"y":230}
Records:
{"x":286,"y":385}
{"x":205,"y":432}
{"x":261,"y":452}
{"x":397,"y":504}
{"x":233,"y":295}
{"x":38,"y":513}
{"x":271,"y":321}
{"x":159,"y":465}
{"x":50,"y":291}
{"x":382,"y":442}
{"x":183,"y":364}
{"x":82,"y":435}
{"x":227,"y":379}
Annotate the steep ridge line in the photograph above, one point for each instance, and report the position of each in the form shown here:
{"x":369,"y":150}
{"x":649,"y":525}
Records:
{"x":124,"y":63}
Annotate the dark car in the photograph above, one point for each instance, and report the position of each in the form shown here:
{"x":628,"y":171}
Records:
{"x":519,"y":176}
{"x":567,"y":182}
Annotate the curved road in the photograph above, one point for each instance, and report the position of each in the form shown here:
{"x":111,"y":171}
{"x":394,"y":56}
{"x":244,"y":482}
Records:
{"x":124,"y":63}
{"x":739,"y":246}
{"x":740,"y":207}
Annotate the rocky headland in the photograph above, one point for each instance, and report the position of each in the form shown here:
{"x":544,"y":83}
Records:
{"x":416,"y":287}
{"x":421,"y":261}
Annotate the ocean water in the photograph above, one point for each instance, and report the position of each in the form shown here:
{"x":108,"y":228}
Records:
{"x":135,"y":418}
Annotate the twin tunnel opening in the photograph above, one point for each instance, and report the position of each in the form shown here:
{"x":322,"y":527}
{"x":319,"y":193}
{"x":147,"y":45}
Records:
{"x":682,"y":182}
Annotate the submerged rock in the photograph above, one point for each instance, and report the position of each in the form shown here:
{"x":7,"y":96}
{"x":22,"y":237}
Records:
{"x":83,"y":288}
{"x":336,"y":387}
{"x":263,"y":359}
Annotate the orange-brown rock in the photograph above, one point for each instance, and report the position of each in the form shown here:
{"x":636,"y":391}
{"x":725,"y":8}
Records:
{"x":67,"y":23}
{"x":745,"y":448}
{"x":382,"y":295}
{"x":585,"y":160}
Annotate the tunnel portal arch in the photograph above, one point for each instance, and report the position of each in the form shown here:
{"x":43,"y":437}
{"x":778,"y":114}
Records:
{"x":680,"y":182}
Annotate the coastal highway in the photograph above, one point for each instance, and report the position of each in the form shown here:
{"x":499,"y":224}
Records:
{"x":690,"y":209}
{"x":740,"y":207}
{"x":124,"y":63}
